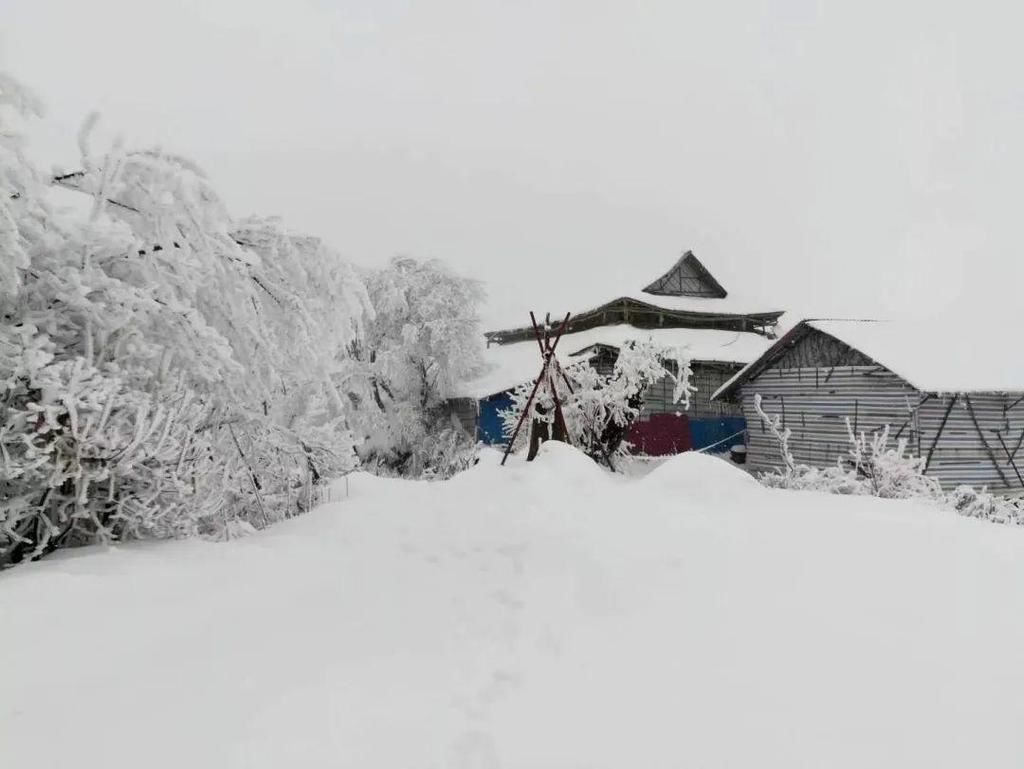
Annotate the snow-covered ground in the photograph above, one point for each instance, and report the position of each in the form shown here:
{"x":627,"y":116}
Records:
{"x":545,"y":615}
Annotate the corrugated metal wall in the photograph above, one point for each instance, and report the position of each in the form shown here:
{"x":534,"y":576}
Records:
{"x":707,"y":377}
{"x":814,"y":403}
{"x":964,"y":456}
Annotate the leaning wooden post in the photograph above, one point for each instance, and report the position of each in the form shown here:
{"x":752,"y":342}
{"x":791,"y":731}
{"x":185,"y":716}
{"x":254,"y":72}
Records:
{"x":536,"y":332}
{"x":560,"y":427}
{"x":548,"y":353}
{"x":526,"y":410}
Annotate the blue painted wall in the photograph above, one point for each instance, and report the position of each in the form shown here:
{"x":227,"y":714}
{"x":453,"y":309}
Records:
{"x":489,"y":428}
{"x":708,"y":431}
{"x":703,"y":432}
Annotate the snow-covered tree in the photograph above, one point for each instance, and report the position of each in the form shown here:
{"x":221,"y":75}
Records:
{"x":424,"y":340}
{"x":19,"y":183}
{"x":164,"y":370}
{"x":599,"y":408}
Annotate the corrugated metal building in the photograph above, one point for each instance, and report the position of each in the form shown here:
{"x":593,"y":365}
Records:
{"x":960,"y":407}
{"x":686,"y":308}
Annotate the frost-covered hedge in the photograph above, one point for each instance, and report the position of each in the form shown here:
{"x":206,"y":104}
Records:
{"x":872,"y":467}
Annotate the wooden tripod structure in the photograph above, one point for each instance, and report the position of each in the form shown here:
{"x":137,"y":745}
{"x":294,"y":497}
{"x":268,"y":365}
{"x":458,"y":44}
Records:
{"x":549,"y":371}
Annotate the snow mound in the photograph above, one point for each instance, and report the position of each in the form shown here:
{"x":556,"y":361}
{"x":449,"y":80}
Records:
{"x":562,"y":461}
{"x":490,"y":457}
{"x":693,"y":473}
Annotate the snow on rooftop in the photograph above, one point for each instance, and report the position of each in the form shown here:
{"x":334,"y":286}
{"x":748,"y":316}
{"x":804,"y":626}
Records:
{"x":512,"y":364}
{"x":957,"y":357}
{"x":731,"y":305}
{"x":738,"y":305}
{"x":628,"y":279}
{"x":960,"y":357}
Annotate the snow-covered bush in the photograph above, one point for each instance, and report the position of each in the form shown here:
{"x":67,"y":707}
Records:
{"x":872,"y":467}
{"x":424,"y":340}
{"x":891,"y":472}
{"x":86,"y":457}
{"x":449,"y":453}
{"x":981,"y":504}
{"x":164,"y":370}
{"x":599,"y":408}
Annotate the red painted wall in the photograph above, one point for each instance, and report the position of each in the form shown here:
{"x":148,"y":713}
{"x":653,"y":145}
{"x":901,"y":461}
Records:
{"x":661,"y":434}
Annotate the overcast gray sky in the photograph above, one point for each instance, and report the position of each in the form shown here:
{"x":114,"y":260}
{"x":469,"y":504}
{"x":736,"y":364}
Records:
{"x":847,"y":158}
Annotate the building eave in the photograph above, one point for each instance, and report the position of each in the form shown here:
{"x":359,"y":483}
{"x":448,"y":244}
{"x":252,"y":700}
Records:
{"x":695,"y":317}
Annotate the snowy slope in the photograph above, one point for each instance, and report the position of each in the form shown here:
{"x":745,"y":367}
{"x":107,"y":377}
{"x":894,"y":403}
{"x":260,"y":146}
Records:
{"x":540,"y":616}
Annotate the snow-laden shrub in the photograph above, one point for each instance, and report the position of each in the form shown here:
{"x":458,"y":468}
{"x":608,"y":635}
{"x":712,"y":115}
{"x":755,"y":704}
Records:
{"x":832,"y":480}
{"x":872,"y":467}
{"x":981,"y":504}
{"x":450,"y":453}
{"x":85,"y":457}
{"x":599,"y":408}
{"x":890,"y":472}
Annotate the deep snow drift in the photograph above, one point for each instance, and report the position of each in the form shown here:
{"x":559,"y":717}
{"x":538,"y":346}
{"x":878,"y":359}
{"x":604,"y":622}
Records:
{"x":544,"y":615}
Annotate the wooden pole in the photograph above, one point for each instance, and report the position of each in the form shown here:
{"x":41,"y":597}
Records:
{"x":526,"y":410}
{"x":560,"y":427}
{"x":536,"y":332}
{"x":561,"y":330}
{"x":561,"y":431}
{"x":548,"y":353}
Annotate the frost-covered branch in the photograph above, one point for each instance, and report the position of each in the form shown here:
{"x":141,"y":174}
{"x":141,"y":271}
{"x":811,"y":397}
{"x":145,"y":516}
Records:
{"x":782,"y":435}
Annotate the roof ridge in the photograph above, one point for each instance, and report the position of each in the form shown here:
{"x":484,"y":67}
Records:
{"x":703,"y":275}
